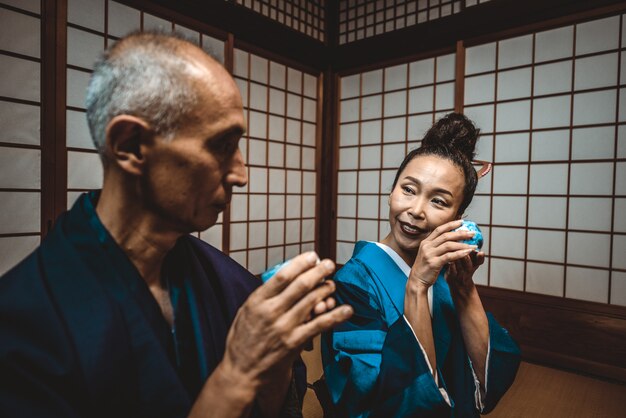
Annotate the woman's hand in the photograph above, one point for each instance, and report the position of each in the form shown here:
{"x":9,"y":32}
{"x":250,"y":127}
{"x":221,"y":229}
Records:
{"x":441,"y":247}
{"x":461,"y":271}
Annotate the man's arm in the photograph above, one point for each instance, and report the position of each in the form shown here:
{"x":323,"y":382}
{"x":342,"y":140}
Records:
{"x":267,"y":335}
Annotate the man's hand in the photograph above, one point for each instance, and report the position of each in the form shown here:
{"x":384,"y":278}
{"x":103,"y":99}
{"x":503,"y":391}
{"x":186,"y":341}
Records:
{"x":271,"y":328}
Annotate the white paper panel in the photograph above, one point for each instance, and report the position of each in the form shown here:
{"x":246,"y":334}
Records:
{"x":372,"y":82}
{"x":596,"y":71}
{"x":513,"y":116}
{"x":587,"y":284}
{"x":367,"y":231}
{"x":368,"y":181}
{"x":28,"y":5}
{"x":396,"y":77}
{"x":151,"y":22}
{"x":547,"y":212}
{"x":258,"y":69}
{"x":370,"y":132}
{"x":371,"y":107}
{"x":446,"y":68}
{"x":310,"y":86}
{"x":394,"y":129}
{"x":546,"y":279}
{"x":83,"y":48}
{"x":512,"y":147}
{"x":515,"y":52}
{"x":84,"y":170}
{"x":618,"y":288}
{"x":87,"y":13}
{"x":368,"y":207}
{"x":509,"y":210}
{"x":308,"y":206}
{"x":444,"y":96}
{"x":507,"y":274}
{"x":346,"y":206}
{"x":20,"y":168}
{"x":510,"y":179}
{"x":421,"y":100}
{"x":554,"y":44}
{"x":257,"y":154}
{"x":19,"y":123}
{"x":422,"y":72}
{"x":508,"y":242}
{"x":579,"y":245}
{"x":257,"y":233}
{"x":514,"y":84}
{"x":395,"y":103}
{"x":191,"y":35}
{"x":590,"y":213}
{"x":346,"y":182}
{"x":78,"y":135}
{"x":294,"y":106}
{"x":238,"y":236}
{"x":597,"y":35}
{"x":548,"y":179}
{"x":480,"y":58}
{"x":619,"y":223}
{"x":546,"y":245}
{"x":551,"y":112}
{"x":20,"y":212}
{"x":620,"y":178}
{"x":258,"y":207}
{"x":592,"y":178}
{"x":20,"y":78}
{"x":276,"y":207}
{"x":77,"y":82}
{"x":479,"y":210}
{"x":213,"y":236}
{"x":214,"y":47}
{"x":619,"y":252}
{"x":258,"y":97}
{"x":294,"y":81}
{"x":593,"y":143}
{"x":370,"y":157}
{"x":350,"y":86}
{"x":349,"y":110}
{"x":550,"y":145}
{"x":553,"y":78}
{"x":240,"y":65}
{"x":122,"y":19}
{"x":595,"y":107}
{"x":14,"y":250}
{"x":19,"y":33}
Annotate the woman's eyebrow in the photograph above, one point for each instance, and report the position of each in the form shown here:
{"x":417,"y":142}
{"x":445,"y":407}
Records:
{"x":436,"y":190}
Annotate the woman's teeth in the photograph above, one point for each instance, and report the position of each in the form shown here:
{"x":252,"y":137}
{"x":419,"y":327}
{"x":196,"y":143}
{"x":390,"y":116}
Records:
{"x":409,"y":229}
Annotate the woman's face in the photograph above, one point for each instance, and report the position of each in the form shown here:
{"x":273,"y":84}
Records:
{"x":428,"y":194}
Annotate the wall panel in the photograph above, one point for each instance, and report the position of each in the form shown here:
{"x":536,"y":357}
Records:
{"x":20,"y":138}
{"x":273,"y":218}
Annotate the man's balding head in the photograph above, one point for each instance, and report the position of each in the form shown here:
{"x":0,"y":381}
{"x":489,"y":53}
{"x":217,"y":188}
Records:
{"x":150,"y":75}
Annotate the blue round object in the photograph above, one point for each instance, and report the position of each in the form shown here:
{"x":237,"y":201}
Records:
{"x":477,"y":239}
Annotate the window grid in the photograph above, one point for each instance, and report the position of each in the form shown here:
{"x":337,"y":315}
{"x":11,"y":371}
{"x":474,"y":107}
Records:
{"x":20,"y":139}
{"x":561,"y":268}
{"x":91,"y":28}
{"x":305,"y":16}
{"x":371,"y":146}
{"x":360,"y":19}
{"x":280,"y":103}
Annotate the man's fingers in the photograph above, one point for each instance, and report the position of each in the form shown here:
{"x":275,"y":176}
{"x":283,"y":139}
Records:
{"x":305,"y":305}
{"x":287,"y":274}
{"x":302,"y":285}
{"x":322,"y":323}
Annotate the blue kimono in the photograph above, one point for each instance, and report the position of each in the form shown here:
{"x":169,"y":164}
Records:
{"x":81,"y":334}
{"x":374,"y":365}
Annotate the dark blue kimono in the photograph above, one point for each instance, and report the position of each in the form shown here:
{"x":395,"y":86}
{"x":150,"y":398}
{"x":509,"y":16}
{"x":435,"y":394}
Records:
{"x":374,"y":365}
{"x":82,"y":336}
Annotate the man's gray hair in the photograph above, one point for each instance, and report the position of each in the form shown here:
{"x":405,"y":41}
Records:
{"x":144,"y":75}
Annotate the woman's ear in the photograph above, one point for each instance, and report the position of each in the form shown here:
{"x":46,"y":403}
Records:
{"x":126,"y":136}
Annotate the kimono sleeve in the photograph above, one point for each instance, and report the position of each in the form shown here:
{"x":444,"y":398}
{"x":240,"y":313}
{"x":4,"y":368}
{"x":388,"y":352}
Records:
{"x":373,"y":369}
{"x":502,"y":365}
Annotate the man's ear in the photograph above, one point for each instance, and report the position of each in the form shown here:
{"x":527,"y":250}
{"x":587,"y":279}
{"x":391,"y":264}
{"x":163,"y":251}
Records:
{"x":126,"y":138}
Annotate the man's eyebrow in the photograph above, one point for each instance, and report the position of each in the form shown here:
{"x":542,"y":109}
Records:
{"x":436,"y":190}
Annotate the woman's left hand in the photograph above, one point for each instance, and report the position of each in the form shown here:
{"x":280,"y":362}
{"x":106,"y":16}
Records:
{"x":461,"y":271}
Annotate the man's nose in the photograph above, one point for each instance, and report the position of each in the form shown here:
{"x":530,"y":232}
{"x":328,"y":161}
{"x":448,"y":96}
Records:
{"x":237,"y":173}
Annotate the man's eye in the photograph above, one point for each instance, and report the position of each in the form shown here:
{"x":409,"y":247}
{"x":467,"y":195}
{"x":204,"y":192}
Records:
{"x":440,"y":202}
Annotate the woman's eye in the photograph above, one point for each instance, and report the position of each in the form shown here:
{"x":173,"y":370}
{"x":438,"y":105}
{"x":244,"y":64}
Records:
{"x":440,"y":202}
{"x":407,"y":189}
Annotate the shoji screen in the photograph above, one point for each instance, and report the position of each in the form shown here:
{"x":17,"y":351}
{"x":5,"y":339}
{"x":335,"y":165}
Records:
{"x":552,"y":110}
{"x":383,"y":114}
{"x":88,"y":33}
{"x":360,"y":19}
{"x":20,"y":144}
{"x":306,"y":16}
{"x":273,"y":218}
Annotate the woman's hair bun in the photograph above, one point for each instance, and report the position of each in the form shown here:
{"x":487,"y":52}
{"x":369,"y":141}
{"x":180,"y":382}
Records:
{"x":454,"y":130}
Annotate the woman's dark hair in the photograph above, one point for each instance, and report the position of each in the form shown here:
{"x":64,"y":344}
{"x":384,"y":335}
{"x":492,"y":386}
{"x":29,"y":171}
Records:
{"x":453,"y":137}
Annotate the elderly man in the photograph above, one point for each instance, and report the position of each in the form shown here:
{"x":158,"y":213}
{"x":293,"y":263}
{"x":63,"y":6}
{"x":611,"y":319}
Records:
{"x":120,"y":312}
